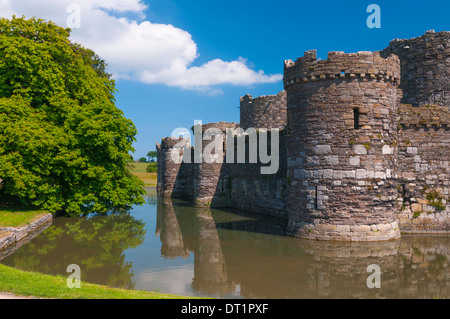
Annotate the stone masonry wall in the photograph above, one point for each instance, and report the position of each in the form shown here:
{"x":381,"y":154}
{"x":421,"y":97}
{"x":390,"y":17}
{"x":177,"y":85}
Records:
{"x":355,"y":164}
{"x":424,"y":166}
{"x":344,"y":185}
{"x":238,"y":185}
{"x":267,"y":111}
{"x":210,"y":179}
{"x":173,"y":179}
{"x":424,"y":68}
{"x":252,"y":191}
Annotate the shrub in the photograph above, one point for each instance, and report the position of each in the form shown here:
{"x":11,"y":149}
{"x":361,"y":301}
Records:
{"x":435,"y":199}
{"x":152,"y":168}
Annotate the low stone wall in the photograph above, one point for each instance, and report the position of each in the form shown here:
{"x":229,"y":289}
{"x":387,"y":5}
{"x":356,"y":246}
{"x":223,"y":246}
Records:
{"x":6,"y":238}
{"x":10,"y":236}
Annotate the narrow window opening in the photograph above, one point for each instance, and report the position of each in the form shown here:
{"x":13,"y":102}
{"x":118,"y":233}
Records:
{"x":356,"y":118}
{"x":403,"y":194}
{"x":223,"y":185}
{"x":316,"y":198}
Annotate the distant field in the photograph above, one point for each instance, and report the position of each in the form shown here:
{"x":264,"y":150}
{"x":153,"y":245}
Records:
{"x":139,"y":170}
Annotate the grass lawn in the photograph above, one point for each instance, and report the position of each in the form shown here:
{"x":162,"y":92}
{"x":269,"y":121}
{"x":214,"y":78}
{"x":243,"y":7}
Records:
{"x":44,"y":286}
{"x":18,"y":217}
{"x":139,"y":170}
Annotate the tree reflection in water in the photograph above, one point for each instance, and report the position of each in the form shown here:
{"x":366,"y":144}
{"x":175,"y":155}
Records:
{"x":96,"y":244}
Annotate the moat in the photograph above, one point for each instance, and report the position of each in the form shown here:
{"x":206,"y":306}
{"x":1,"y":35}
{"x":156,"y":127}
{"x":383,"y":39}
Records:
{"x":170,"y":247}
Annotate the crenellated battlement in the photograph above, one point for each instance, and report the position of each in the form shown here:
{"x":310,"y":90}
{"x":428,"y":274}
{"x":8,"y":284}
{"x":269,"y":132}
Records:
{"x":340,"y":65}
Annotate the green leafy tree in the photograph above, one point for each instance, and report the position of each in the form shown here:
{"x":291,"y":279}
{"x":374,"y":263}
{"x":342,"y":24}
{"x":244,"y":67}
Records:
{"x":143,"y":160}
{"x":151,"y":156}
{"x":64,"y":145}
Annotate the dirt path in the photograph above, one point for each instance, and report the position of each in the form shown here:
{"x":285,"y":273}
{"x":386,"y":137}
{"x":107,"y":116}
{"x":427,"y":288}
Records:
{"x":5,"y":295}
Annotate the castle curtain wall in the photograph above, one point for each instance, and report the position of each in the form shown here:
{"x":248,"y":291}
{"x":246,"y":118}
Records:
{"x":355,"y":163}
{"x":424,"y":166}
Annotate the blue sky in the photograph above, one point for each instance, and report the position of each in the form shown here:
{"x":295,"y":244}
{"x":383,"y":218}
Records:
{"x":220,"y":50}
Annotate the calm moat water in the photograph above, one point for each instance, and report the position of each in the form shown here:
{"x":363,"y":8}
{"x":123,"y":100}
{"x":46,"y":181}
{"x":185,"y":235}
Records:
{"x":169,"y":247}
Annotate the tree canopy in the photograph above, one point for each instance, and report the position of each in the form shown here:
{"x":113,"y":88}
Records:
{"x":64,"y":145}
{"x":151,"y":155}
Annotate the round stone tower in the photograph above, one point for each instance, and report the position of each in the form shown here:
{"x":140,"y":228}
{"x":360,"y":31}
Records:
{"x":210,"y":181}
{"x":171,"y":175}
{"x":425,"y":68}
{"x":342,"y":146}
{"x":268,"y":111}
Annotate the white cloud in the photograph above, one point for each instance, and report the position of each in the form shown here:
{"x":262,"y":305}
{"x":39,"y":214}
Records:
{"x":211,"y":73}
{"x":138,"y":49}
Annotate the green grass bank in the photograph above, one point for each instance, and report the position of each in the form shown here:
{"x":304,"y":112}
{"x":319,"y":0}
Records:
{"x":45,"y":286}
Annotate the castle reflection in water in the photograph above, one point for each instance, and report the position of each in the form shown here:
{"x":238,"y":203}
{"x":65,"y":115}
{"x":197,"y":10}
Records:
{"x":250,"y":252}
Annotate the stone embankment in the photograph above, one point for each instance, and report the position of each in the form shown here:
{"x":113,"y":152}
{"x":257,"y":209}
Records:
{"x":13,"y":236}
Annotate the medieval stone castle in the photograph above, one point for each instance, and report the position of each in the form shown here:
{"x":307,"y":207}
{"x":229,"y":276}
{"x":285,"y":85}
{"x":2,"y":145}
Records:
{"x":364,"y":147}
